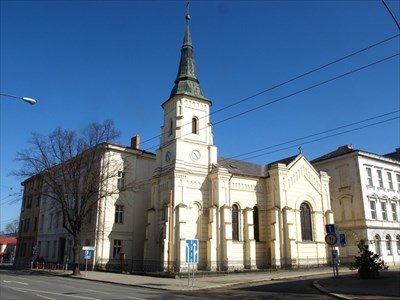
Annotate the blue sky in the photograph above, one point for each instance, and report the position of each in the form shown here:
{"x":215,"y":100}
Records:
{"x":88,"y":61}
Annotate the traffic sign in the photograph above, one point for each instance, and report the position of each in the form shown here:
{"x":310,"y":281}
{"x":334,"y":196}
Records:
{"x":342,"y":238}
{"x":88,"y":254}
{"x":192,"y":251}
{"x":331,"y":239}
{"x":331,"y":228}
{"x":91,"y":248}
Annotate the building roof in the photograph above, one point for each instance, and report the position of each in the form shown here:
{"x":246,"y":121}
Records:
{"x":342,"y":150}
{"x":393,"y":155}
{"x":8,"y":240}
{"x":286,"y":161}
{"x":186,"y":81}
{"x":238,"y":167}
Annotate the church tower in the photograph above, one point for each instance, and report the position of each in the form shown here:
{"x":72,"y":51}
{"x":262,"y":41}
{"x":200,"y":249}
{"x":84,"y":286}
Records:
{"x":180,"y":192}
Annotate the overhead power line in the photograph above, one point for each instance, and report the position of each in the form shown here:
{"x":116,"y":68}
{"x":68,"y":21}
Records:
{"x":390,"y":12}
{"x":323,"y":138}
{"x":295,"y":93}
{"x":286,"y":82}
{"x":315,"y":134}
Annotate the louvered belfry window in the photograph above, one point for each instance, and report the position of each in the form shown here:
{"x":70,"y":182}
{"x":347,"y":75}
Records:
{"x":305,"y":219}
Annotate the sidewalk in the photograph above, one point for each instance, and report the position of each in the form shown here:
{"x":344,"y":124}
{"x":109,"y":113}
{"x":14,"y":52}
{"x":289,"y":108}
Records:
{"x":346,"y":286}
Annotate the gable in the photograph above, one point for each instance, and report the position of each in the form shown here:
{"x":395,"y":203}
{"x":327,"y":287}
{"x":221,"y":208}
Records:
{"x":301,"y":168}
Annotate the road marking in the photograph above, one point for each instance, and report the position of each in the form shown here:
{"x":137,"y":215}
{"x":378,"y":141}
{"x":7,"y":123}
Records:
{"x":97,"y":291}
{"x":45,"y":297}
{"x":20,"y":289}
{"x":11,"y":281}
{"x":135,"y":298}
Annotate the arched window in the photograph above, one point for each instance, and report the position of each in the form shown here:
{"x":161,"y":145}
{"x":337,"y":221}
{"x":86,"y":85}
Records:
{"x":235,"y":222}
{"x":398,"y":244}
{"x":378,"y":244}
{"x":388,"y":245}
{"x":171,"y":126}
{"x":256,"y":225}
{"x":305,"y":219}
{"x":195,"y":125}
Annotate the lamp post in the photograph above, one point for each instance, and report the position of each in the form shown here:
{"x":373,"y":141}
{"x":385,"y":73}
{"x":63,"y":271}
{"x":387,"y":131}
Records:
{"x":26,"y":99}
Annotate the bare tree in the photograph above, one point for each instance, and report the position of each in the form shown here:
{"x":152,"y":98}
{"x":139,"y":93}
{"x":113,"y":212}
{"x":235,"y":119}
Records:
{"x":11,"y":228}
{"x":76,"y":171}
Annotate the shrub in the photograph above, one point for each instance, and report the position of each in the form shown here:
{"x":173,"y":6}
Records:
{"x":367,"y":263}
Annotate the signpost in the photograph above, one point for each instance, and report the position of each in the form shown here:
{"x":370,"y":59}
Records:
{"x":87,"y":254}
{"x":333,"y":239}
{"x":192,"y":256}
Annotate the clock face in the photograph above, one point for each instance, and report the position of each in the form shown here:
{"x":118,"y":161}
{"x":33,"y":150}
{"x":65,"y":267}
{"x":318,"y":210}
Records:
{"x":195,"y":155}
{"x":167,"y":156}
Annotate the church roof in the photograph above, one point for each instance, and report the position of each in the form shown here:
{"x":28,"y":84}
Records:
{"x":186,"y":80}
{"x":243,"y":168}
{"x":286,"y":161}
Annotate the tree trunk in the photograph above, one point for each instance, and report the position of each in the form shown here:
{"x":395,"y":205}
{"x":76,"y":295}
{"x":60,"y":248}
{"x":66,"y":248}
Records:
{"x":76,"y":254}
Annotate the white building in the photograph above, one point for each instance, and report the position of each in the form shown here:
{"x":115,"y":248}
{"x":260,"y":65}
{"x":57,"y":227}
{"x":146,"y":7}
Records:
{"x":365,"y":198}
{"x":116,"y":227}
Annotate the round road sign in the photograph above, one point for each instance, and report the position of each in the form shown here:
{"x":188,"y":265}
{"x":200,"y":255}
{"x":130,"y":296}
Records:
{"x":331,"y":238}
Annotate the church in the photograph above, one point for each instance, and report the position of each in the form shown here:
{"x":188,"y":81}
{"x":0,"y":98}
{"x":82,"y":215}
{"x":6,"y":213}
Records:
{"x":244,"y":215}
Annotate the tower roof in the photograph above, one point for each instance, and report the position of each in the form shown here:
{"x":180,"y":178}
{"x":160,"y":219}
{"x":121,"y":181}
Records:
{"x":186,"y":81}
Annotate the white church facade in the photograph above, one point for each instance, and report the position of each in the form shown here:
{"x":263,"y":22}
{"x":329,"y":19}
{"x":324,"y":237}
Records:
{"x":243,"y":214}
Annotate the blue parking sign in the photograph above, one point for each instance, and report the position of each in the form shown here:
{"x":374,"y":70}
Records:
{"x":87,"y":254}
{"x":192,"y":251}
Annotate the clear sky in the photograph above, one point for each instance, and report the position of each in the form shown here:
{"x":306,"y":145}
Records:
{"x":89,"y":61}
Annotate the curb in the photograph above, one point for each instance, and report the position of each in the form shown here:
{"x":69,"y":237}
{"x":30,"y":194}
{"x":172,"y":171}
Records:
{"x":325,"y":291}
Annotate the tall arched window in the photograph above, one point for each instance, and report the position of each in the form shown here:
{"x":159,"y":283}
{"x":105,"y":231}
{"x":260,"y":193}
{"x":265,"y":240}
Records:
{"x":195,"y":125}
{"x":235,"y":222}
{"x":256,"y":225}
{"x":378,"y":244}
{"x":398,"y":244}
{"x":305,"y":219}
{"x":388,"y":245}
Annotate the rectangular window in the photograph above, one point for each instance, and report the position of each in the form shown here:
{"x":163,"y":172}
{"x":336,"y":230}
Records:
{"x":38,"y":201}
{"x":57,"y":219}
{"x":53,"y":254}
{"x":121,"y":180}
{"x":398,"y":181}
{"x":380,"y":179}
{"x":50,"y":222}
{"x":47,"y":249}
{"x":373,"y":209}
{"x":41,"y":221}
{"x":119,"y":214}
{"x":35,"y":224}
{"x":390,"y":181}
{"x":117,"y":248}
{"x":394,"y":211}
{"x":384,"y":212}
{"x":369,"y":177}
{"x":26,"y":225}
{"x":29,"y":204}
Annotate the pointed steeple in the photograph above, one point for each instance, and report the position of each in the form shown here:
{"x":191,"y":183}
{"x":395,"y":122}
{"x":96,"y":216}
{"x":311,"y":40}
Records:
{"x":186,"y":80}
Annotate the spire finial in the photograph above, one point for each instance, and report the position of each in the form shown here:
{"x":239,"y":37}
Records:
{"x":187,"y":17}
{"x":300,"y":150}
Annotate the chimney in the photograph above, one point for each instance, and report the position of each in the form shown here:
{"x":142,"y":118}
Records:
{"x":135,"y":142}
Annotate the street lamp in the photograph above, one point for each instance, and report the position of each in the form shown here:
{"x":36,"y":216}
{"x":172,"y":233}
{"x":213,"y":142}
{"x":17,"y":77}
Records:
{"x":26,"y":99}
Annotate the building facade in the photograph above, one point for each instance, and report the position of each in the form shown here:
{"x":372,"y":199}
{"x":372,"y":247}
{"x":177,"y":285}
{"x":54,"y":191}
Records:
{"x":365,"y":198}
{"x":115,"y":227}
{"x":244,"y":215}
{"x":26,"y":249}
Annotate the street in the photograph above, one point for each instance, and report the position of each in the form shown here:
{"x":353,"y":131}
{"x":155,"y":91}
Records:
{"x":33,"y":285}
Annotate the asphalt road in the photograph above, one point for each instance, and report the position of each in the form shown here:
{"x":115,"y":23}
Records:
{"x":25,"y":285}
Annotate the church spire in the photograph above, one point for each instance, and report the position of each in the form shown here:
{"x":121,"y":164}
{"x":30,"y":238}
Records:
{"x":186,"y":81}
